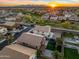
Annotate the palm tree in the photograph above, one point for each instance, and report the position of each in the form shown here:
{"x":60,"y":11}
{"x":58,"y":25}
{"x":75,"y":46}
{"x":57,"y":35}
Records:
{"x":55,"y":54}
{"x":10,"y":38}
{"x":59,"y":44}
{"x":58,"y":55}
{"x":1,"y":36}
{"x":38,"y":54}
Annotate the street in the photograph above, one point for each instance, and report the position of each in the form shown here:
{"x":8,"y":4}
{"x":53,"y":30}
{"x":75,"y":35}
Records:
{"x":5,"y":43}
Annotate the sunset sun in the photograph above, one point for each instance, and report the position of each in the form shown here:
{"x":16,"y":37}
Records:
{"x":53,"y":5}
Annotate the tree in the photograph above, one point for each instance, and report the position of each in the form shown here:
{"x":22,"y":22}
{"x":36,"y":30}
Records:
{"x":1,"y":36}
{"x":59,"y":41}
{"x":66,"y":24}
{"x":58,"y":55}
{"x":38,"y":54}
{"x":10,"y":38}
{"x":40,"y":21}
{"x":59,"y":44}
{"x":28,"y":18}
{"x":55,"y":54}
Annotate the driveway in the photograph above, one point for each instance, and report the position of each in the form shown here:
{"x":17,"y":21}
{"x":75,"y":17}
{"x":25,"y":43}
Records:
{"x":71,"y":40}
{"x":48,"y":53}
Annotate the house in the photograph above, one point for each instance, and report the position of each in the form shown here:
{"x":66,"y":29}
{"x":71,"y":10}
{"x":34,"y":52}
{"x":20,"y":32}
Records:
{"x":9,"y":25}
{"x":57,"y":31}
{"x":54,"y":18}
{"x":43,"y":30}
{"x":10,"y":19}
{"x":14,"y":18}
{"x":45,"y":16}
{"x":58,"y":34}
{"x":32,"y":40}
{"x":16,"y":51}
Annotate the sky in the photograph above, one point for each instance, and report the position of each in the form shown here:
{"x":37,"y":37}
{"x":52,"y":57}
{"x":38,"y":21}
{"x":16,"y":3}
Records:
{"x":12,"y":2}
{"x":69,"y":1}
{"x":63,"y":1}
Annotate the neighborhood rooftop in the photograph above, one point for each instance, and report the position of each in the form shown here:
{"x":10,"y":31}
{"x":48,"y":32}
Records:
{"x":8,"y":24}
{"x":31,"y":39}
{"x":22,"y":49}
{"x":15,"y":51}
{"x":42,"y":28}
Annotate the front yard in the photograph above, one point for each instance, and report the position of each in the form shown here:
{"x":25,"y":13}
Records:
{"x":70,"y":53}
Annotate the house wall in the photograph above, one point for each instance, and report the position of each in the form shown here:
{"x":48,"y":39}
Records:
{"x":33,"y":56}
{"x":57,"y":34}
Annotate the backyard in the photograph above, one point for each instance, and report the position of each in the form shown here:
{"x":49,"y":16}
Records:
{"x":51,"y":45}
{"x":70,"y":53}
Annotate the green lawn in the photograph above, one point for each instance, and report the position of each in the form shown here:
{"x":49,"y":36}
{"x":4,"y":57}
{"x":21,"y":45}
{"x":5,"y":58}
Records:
{"x":71,"y":53}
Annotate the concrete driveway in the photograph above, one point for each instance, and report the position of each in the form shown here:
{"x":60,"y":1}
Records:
{"x":48,"y":53}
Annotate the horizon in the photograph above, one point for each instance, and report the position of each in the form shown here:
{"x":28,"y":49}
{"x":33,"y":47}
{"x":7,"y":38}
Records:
{"x":70,"y":3}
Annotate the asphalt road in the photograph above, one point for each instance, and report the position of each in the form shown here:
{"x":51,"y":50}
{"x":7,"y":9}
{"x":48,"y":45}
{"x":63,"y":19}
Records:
{"x":65,"y":30}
